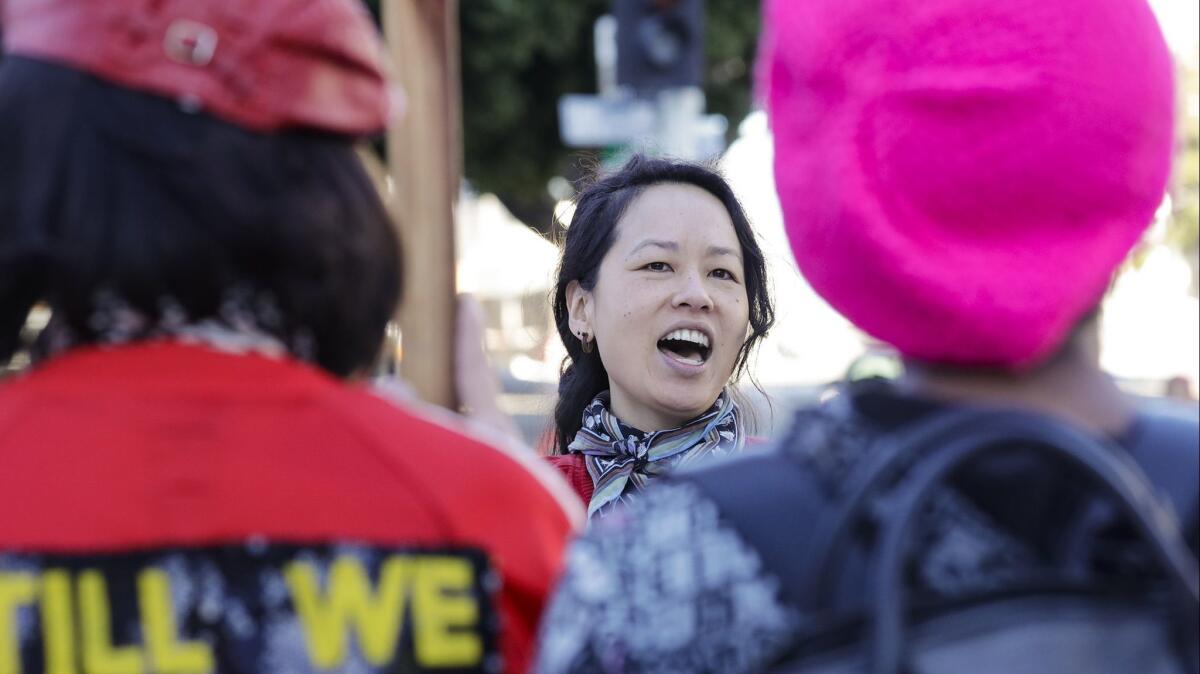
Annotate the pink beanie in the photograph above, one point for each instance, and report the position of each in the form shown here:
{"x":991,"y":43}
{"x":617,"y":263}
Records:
{"x":961,"y":178}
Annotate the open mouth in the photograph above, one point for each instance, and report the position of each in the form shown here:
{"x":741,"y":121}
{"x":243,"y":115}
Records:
{"x":686,"y":346}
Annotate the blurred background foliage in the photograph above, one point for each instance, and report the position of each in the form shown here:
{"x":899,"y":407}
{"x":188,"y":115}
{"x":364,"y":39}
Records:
{"x":1189,"y":165}
{"x":520,"y":56}
{"x":1183,"y":228}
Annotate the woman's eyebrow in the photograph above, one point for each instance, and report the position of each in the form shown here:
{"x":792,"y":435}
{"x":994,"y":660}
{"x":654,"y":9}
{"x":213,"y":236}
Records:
{"x":722,"y":250}
{"x":657,"y":243}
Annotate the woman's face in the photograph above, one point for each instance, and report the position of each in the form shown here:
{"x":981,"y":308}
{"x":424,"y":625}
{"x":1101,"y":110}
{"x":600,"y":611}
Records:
{"x":669,"y":311}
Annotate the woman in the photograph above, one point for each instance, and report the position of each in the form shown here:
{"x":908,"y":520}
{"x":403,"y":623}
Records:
{"x":178,"y":182}
{"x":660,"y":298}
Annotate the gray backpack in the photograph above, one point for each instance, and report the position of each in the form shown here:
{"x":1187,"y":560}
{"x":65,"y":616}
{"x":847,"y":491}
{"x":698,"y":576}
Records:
{"x":1065,"y":619}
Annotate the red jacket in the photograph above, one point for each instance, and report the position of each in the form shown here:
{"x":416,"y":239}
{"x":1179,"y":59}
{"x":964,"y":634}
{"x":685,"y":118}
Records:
{"x":344,"y":525}
{"x":574,"y":468}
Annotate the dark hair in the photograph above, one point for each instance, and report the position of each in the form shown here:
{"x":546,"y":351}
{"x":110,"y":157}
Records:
{"x":107,"y":194}
{"x":598,"y":209}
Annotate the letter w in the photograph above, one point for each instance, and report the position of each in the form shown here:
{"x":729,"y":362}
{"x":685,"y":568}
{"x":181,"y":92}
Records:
{"x":349,"y":602}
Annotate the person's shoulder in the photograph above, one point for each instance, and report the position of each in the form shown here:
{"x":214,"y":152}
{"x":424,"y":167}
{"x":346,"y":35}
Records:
{"x":574,"y":468}
{"x":460,"y":458}
{"x":1165,"y":443}
{"x":818,"y":446}
{"x":1183,"y":415}
{"x":745,"y":473}
{"x":638,"y":569}
{"x":1168,"y":429}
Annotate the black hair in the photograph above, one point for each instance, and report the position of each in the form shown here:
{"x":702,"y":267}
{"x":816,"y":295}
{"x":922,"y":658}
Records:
{"x":108,"y":194}
{"x":592,"y":231}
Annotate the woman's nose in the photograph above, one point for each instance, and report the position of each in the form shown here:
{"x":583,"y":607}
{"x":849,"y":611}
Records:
{"x":693,"y":294}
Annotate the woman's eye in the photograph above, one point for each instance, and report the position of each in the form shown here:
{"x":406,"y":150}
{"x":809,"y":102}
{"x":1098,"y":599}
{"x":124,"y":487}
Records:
{"x":723,"y":274}
{"x":658,"y":266}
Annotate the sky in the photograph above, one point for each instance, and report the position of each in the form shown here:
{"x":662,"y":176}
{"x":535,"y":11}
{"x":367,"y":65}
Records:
{"x":1180,"y":20}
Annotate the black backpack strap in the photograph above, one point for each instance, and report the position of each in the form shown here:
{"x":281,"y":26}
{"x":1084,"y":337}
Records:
{"x":772,"y":503}
{"x":971,"y":436}
{"x":1166,"y":444}
{"x":775,"y":498}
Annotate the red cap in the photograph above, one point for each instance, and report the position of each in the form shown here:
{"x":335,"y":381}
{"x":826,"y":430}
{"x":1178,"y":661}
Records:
{"x":265,"y":65}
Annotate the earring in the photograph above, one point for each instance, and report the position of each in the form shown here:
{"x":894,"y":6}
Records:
{"x":586,"y":342}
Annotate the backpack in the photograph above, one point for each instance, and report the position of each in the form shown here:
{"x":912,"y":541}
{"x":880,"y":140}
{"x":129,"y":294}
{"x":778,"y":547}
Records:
{"x":1065,"y":619}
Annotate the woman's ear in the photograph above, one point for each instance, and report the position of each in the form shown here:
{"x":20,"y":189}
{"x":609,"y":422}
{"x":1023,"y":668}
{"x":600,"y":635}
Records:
{"x":579,"y":309}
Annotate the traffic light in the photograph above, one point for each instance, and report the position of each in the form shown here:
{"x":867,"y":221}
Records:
{"x":660,"y":43}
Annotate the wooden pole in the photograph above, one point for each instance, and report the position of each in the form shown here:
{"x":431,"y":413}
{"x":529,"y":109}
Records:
{"x":425,"y":159}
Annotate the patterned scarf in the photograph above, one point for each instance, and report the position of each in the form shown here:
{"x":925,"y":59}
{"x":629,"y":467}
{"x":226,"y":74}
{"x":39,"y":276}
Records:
{"x":621,"y":460}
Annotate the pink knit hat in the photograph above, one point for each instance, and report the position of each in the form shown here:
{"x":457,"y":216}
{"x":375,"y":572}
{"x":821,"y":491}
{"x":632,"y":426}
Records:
{"x":961,"y":178}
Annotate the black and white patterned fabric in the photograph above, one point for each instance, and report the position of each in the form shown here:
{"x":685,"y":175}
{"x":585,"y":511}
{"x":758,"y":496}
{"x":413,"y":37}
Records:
{"x":664,"y":586}
{"x":246,"y":322}
{"x":622,"y":460}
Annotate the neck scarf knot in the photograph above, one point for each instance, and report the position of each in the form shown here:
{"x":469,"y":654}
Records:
{"x":622,"y":459}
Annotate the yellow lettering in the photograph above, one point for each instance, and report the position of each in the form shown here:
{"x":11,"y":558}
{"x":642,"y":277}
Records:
{"x":349,"y":603}
{"x":15,"y":589}
{"x":445,"y":614}
{"x":99,"y":654}
{"x":167,"y":655}
{"x":58,"y":627}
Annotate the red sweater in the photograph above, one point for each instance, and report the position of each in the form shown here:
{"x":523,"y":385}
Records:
{"x":573,"y":467}
{"x":345,"y":525}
